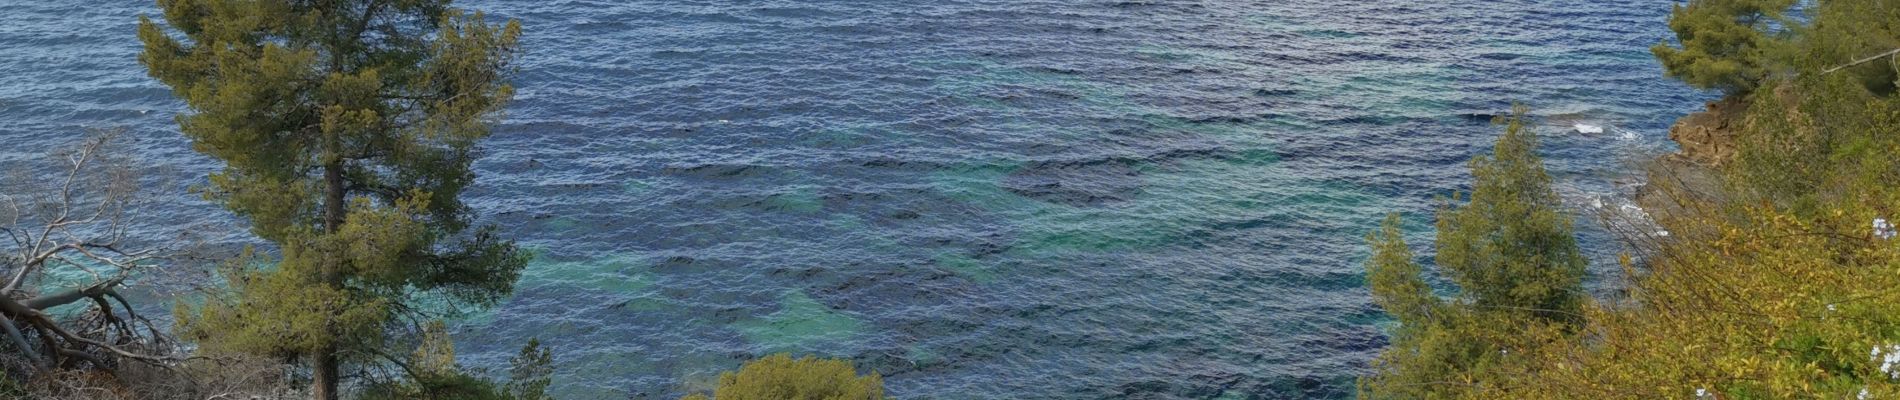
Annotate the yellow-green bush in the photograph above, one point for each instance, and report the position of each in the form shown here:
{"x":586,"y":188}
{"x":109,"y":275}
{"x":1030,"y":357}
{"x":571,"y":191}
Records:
{"x":780,"y":377}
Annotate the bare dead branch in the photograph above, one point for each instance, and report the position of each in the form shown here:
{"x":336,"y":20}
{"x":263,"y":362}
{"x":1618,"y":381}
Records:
{"x":19,"y":340}
{"x":1889,"y":53}
{"x":76,"y":221}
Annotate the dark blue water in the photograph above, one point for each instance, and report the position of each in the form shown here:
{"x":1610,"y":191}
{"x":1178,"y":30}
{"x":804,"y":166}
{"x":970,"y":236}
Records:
{"x":978,"y":199}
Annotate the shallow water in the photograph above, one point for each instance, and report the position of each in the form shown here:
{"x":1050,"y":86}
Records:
{"x":978,"y":199}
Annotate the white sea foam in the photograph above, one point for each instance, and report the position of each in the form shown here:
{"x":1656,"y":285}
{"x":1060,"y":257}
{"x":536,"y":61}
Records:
{"x":1625,"y":134}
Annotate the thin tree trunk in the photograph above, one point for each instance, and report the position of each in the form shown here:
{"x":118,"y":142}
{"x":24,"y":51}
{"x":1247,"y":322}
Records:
{"x":333,"y":197}
{"x":323,"y":366}
{"x":323,"y":377}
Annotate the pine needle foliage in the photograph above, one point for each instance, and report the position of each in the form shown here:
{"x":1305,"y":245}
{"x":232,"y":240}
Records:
{"x":1724,"y":44}
{"x":345,"y":130}
{"x":1511,"y":254}
{"x":1511,"y":246}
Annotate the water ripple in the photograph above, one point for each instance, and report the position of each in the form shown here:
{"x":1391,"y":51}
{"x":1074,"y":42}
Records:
{"x":977,"y":198}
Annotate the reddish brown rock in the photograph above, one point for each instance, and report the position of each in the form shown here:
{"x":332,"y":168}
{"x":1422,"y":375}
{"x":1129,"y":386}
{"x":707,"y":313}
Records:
{"x":1706,"y":137}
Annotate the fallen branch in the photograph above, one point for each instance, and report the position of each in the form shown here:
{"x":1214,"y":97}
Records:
{"x":1889,"y":53}
{"x":72,"y":295}
{"x":76,"y":221}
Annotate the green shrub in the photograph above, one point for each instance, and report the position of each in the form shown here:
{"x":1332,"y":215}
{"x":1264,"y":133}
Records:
{"x":780,"y":377}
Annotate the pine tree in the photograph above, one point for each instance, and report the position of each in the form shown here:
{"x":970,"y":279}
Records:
{"x":1511,"y":247}
{"x":1725,"y":44}
{"x":1519,"y":272}
{"x":346,"y":129}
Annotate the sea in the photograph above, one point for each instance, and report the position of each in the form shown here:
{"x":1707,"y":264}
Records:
{"x":976,"y":199}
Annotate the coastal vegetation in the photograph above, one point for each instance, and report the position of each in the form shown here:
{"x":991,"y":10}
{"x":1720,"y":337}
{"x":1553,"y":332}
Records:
{"x":1509,"y":250}
{"x":1769,"y":274}
{"x":780,"y":376}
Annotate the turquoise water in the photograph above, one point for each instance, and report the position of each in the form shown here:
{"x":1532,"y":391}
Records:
{"x":977,"y":199}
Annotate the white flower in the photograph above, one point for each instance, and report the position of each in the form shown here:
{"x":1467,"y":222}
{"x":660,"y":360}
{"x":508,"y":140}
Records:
{"x":1701,"y":393}
{"x":1884,"y":229}
{"x":1863,"y":394}
{"x":1889,"y":358}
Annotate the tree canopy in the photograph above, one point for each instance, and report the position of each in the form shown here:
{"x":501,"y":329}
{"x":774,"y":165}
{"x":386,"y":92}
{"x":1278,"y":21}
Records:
{"x":346,"y":130}
{"x":1509,"y":251}
{"x":1724,"y":44}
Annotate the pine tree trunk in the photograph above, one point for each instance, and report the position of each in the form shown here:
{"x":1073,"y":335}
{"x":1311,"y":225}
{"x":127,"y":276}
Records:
{"x":323,"y":376}
{"x":332,"y":199}
{"x":324,"y":369}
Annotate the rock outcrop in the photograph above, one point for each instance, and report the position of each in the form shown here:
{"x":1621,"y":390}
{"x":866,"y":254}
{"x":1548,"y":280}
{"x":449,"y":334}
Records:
{"x":1707,"y":137}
